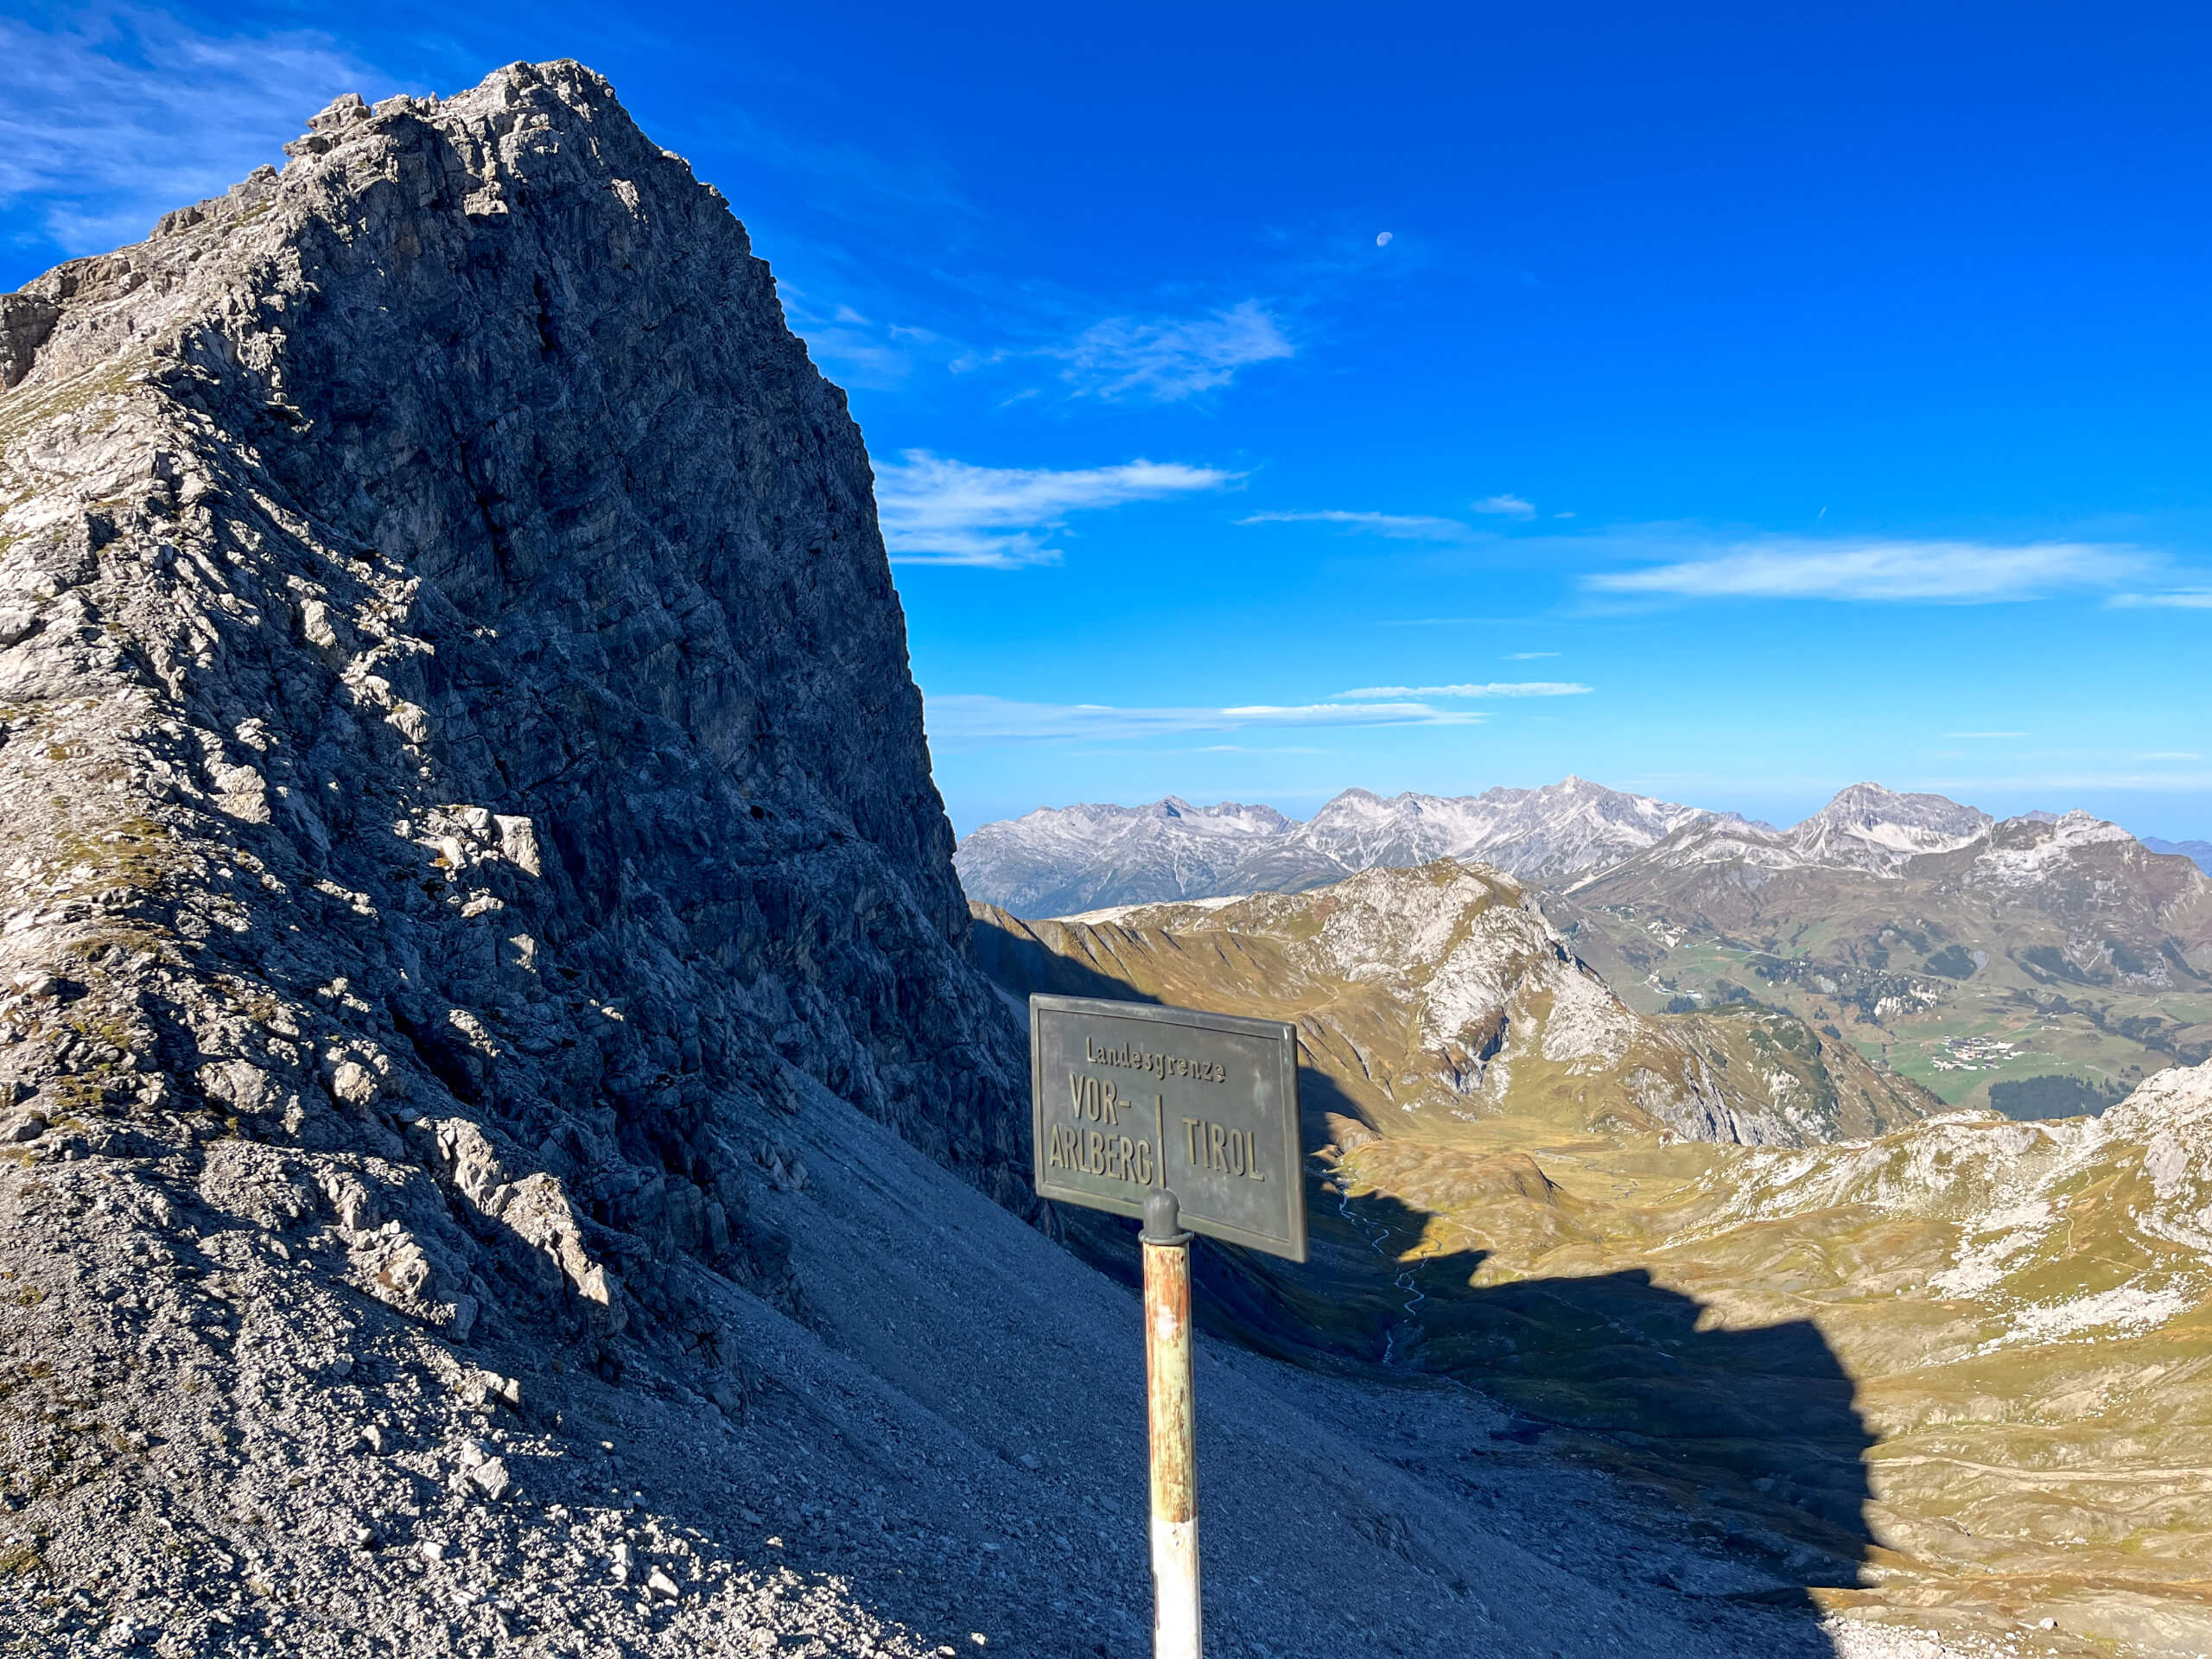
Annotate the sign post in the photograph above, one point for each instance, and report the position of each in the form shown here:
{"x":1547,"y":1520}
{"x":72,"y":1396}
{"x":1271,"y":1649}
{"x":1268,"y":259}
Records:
{"x":1171,"y":1418}
{"x":1189,"y":1120}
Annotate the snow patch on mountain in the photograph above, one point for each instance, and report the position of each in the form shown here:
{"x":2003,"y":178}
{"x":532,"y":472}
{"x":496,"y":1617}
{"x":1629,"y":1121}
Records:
{"x":1866,"y":827}
{"x":1058,"y":860}
{"x":1877,"y":828}
{"x":2016,"y":866}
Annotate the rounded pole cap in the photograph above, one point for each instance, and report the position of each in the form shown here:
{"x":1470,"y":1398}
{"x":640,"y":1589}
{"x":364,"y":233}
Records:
{"x":1163,"y":1220}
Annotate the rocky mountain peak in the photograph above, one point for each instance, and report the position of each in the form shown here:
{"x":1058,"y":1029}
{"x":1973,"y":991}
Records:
{"x":1066,"y":861}
{"x":457,"y":723}
{"x":1867,"y":823}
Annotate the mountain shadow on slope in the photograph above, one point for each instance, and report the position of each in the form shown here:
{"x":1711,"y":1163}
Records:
{"x":1755,"y":1433}
{"x":1018,"y":965}
{"x":2053,"y":1095}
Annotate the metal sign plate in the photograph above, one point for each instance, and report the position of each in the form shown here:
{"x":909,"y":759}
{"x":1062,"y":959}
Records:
{"x":1126,"y":1098}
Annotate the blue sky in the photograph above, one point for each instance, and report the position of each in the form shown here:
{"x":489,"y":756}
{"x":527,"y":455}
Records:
{"x":1724,"y":402}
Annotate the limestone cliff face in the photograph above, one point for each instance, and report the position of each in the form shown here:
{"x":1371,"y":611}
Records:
{"x":458,"y":735}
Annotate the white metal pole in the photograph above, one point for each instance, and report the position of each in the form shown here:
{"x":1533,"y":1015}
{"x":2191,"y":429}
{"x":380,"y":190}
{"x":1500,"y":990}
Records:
{"x":1171,"y":1419}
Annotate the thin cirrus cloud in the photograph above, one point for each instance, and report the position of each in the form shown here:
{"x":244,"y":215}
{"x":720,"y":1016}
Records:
{"x":939,"y":512}
{"x":1170,"y":360}
{"x":1495,"y":689}
{"x":2183,"y":598}
{"x":864,"y":351}
{"x":118,"y":115}
{"x":1906,"y":571}
{"x":1506,"y":507}
{"x":1397,"y":526}
{"x":962,"y":720}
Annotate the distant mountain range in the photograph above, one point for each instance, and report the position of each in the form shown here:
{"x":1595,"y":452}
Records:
{"x":2040,"y":964}
{"x":1062,"y":861}
{"x":1864,"y":828}
{"x":2198,"y":852}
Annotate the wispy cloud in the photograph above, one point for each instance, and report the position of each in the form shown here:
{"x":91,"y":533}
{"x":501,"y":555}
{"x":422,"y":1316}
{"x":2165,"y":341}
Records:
{"x":1505,"y":506}
{"x":2184,"y":598}
{"x":1402,"y":527}
{"x":1985,"y":734}
{"x":1941,"y":572}
{"x":861,"y":350}
{"x":114,"y":117}
{"x":940,"y":512}
{"x":968,"y":719}
{"x":2171,"y":754}
{"x":1528,"y":656}
{"x":1496,"y":688}
{"x":1169,"y":359}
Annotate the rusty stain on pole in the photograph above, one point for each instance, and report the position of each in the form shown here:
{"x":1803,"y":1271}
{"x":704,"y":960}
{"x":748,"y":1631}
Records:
{"x":1171,"y":1418}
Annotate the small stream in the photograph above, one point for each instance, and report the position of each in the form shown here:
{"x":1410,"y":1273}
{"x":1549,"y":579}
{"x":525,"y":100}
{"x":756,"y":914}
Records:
{"x":1377,"y":1236}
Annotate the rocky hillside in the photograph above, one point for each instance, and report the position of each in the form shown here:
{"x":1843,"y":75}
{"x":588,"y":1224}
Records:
{"x":2045,"y":962}
{"x":2020,"y":1308}
{"x":462,"y":783}
{"x":352,"y":593}
{"x":1439,"y":999}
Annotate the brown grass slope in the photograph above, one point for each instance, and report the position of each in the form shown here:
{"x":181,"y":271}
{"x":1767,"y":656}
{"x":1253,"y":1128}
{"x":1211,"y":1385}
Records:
{"x":1956,"y":1374}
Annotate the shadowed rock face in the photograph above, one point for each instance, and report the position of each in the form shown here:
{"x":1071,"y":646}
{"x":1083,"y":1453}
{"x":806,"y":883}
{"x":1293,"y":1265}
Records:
{"x":460,"y":790}
{"x":452,"y":671}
